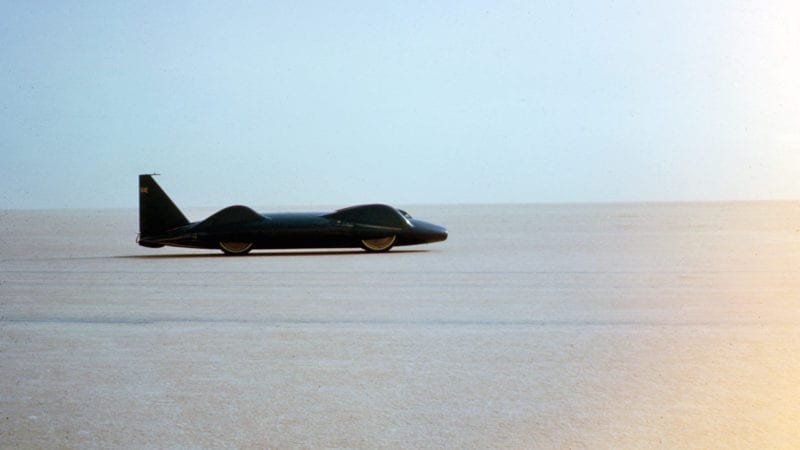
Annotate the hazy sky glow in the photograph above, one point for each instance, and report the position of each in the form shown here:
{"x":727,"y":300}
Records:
{"x":333,"y":103}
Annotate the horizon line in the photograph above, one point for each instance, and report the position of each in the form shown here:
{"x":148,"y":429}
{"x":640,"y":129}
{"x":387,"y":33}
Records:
{"x":429,"y":204}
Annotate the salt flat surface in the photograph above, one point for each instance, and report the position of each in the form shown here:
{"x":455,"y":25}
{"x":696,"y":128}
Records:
{"x":641,"y":325}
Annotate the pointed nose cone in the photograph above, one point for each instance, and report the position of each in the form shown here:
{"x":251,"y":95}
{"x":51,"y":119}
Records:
{"x":439,"y":233}
{"x":425,"y":232}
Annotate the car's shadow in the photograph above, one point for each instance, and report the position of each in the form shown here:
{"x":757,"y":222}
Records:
{"x":267,"y":254}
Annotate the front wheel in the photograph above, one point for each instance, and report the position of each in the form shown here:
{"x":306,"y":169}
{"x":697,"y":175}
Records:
{"x":379,"y":244}
{"x":235,"y":248}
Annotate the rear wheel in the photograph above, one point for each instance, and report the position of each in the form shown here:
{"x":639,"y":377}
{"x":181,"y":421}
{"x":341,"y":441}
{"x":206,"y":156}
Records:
{"x":379,"y":244}
{"x":235,"y":248}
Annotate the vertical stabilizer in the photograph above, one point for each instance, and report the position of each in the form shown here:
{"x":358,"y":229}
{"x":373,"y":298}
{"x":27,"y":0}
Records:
{"x":157,"y":212}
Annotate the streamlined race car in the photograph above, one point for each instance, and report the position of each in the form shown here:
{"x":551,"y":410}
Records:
{"x":238,"y":229}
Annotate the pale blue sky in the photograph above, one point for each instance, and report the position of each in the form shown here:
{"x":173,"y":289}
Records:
{"x":335,"y":103}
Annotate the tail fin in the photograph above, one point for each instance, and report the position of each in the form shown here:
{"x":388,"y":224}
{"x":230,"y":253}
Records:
{"x":157,"y":212}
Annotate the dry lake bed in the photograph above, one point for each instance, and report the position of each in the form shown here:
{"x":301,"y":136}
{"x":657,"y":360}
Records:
{"x":566,"y":326}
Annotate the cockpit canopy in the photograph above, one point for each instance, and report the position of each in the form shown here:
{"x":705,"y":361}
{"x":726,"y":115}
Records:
{"x":378,"y":215}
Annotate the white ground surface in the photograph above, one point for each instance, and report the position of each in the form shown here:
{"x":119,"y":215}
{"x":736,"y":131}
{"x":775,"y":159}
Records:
{"x":532,"y":326}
